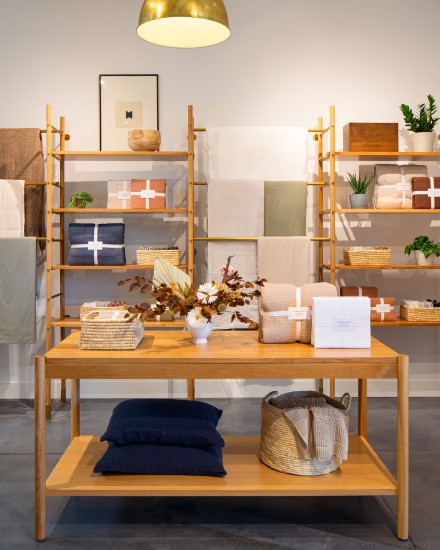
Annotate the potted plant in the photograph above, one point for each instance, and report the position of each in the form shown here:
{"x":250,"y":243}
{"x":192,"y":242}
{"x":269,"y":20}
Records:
{"x":80,"y":200}
{"x":422,"y":124}
{"x":424,"y":250}
{"x":359,"y":185}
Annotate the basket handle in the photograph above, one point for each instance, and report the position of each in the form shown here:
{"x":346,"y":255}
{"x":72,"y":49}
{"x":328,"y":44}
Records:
{"x":269,"y":396}
{"x":346,"y":401}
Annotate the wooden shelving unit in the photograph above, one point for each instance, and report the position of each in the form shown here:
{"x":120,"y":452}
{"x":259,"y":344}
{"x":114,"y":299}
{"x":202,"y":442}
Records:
{"x":56,"y":190}
{"x":327,"y":158}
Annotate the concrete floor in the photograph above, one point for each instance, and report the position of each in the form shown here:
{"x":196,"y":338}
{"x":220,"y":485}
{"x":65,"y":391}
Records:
{"x":219,"y":523}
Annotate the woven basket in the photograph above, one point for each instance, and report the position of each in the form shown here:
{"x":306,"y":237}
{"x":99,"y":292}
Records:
{"x":83,"y":310}
{"x":278,"y":445}
{"x":415,"y":314}
{"x":367,"y":256}
{"x":147,"y":257}
{"x":123,"y":332}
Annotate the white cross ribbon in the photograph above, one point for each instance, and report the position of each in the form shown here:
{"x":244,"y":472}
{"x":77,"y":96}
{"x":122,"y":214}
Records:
{"x":147,"y":194}
{"x":403,"y":185}
{"x":432,"y":192}
{"x":382,"y":308}
{"x":96,"y":245}
{"x":294,"y":313}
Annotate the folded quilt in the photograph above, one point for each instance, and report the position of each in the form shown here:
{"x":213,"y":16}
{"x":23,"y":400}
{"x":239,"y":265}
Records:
{"x":96,"y":244}
{"x":382,"y":309}
{"x":119,"y":194}
{"x":370,"y":291}
{"x":148,"y":193}
{"x":386,"y":174}
{"x":426,"y":192}
{"x":285,"y":311}
{"x":392,"y":196}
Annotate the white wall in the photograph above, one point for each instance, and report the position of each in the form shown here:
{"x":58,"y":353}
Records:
{"x":284,"y":64}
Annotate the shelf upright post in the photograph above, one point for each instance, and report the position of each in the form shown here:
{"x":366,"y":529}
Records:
{"x":332,"y":219}
{"x":320,"y":202}
{"x":191,"y":389}
{"x":61,"y":244}
{"x":49,"y":236}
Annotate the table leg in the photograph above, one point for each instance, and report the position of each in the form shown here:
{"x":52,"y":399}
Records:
{"x":191,"y":389}
{"x":48,"y":399}
{"x":362,"y":407}
{"x":332,"y":387}
{"x":402,"y":447}
{"x":40,"y":448}
{"x":75,"y":428}
{"x":63,"y":391}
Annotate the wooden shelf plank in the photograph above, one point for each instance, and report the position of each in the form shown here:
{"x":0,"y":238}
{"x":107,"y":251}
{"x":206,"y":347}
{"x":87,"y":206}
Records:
{"x":121,"y":210}
{"x":117,"y":155}
{"x":110,"y":267}
{"x":384,"y":211}
{"x":362,"y":474}
{"x":74,"y":322}
{"x":396,"y":154}
{"x":393,"y":266}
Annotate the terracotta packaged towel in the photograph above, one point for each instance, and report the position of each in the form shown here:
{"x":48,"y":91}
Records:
{"x":370,"y":291}
{"x":148,"y":193}
{"x":285,"y":311}
{"x":426,"y":193}
{"x":382,"y":309}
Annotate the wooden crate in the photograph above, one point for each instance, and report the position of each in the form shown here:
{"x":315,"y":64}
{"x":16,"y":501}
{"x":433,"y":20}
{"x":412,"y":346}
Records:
{"x":371,"y":136}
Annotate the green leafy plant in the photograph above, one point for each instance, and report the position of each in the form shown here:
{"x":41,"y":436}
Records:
{"x":358,"y":183}
{"x":80,"y":200}
{"x":423,"y":120}
{"x":425,"y":245}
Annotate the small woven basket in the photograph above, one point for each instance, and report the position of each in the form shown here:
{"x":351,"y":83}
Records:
{"x":367,"y":256}
{"x":146,"y":256}
{"x":415,"y":314}
{"x":117,"y":330}
{"x":278,"y":445}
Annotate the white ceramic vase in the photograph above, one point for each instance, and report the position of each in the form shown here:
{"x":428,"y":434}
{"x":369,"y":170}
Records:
{"x":423,"y":142}
{"x":421,"y":258}
{"x":199,"y":334}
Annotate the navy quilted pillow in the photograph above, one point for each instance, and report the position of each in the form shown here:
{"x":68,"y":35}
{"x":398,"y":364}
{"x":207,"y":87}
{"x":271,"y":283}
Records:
{"x":164,"y":421}
{"x":161,"y":460}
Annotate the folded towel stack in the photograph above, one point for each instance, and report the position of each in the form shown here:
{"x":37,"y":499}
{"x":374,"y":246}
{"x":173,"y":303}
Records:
{"x":425,"y":192}
{"x":393,"y":184}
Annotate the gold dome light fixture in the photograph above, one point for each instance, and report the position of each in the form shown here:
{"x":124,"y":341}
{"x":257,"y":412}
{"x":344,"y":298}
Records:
{"x":183,"y":23}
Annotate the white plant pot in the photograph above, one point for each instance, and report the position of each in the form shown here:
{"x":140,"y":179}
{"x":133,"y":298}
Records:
{"x":422,"y":260}
{"x":199,"y":334}
{"x":423,"y":141}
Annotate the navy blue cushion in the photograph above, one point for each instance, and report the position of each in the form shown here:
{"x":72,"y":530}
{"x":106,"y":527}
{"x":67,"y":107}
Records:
{"x":109,"y":243}
{"x":162,"y":460}
{"x":164,"y":421}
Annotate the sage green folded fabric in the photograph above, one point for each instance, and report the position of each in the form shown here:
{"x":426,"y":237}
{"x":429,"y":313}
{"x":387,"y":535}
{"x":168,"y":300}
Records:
{"x":285,"y":206}
{"x":17,"y":290}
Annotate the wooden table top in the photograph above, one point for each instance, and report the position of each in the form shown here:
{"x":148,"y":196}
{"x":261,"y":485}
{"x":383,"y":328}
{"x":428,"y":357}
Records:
{"x":228,"y":354}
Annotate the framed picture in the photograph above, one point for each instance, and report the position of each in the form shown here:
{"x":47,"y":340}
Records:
{"x":126,"y":101}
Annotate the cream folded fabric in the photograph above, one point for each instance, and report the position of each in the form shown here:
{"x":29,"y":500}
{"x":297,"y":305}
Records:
{"x":285,"y":311}
{"x":386,"y":174}
{"x":11,"y":208}
{"x":284,"y":259}
{"x":391,"y":196}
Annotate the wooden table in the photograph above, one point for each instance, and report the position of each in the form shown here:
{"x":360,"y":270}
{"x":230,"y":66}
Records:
{"x":228,"y":355}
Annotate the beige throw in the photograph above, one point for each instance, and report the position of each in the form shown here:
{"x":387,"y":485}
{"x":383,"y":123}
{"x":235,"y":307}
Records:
{"x":284,"y":259}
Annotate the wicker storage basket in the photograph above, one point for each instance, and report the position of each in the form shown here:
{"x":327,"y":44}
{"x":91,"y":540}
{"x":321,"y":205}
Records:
{"x":367,"y":256}
{"x":146,"y":256}
{"x":83,"y":310}
{"x":278,"y":445}
{"x":117,"y":330}
{"x":415,"y":314}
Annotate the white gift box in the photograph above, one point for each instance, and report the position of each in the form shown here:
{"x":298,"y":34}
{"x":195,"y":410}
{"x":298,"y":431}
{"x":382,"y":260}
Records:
{"x":342,"y":322}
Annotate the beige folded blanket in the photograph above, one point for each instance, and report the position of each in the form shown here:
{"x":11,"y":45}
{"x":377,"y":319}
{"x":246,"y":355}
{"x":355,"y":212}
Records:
{"x":386,"y":174}
{"x":285,"y":311}
{"x":392,"y":196}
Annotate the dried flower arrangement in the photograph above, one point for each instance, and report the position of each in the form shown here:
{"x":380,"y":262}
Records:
{"x":199,"y":306}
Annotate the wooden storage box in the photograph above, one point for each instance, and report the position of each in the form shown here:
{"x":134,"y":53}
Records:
{"x":371,"y":136}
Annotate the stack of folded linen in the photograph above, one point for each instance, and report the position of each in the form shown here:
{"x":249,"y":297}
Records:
{"x":426,"y":192}
{"x":393,"y":184}
{"x":285,"y":311}
{"x":163,"y":437}
{"x":382,"y":309}
{"x":370,"y":291}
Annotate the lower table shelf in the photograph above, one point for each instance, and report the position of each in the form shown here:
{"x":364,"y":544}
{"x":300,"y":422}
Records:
{"x":362,"y":474}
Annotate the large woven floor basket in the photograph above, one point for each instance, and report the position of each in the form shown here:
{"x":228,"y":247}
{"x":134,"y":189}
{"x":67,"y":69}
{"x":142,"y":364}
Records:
{"x":279,"y":447}
{"x":115,"y":330}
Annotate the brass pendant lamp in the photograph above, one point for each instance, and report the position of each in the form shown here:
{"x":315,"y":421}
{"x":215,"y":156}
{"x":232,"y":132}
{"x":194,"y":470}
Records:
{"x":183,"y":23}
